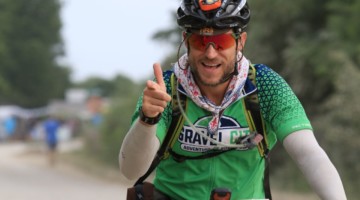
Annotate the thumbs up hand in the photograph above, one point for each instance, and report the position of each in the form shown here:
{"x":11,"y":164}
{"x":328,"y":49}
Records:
{"x":155,"y":97}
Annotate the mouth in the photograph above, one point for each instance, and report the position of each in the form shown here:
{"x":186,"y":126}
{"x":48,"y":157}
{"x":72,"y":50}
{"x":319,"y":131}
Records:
{"x":211,"y":65}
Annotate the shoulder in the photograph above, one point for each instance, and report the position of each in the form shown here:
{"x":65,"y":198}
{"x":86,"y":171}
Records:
{"x":263,"y":71}
{"x":267,"y":79}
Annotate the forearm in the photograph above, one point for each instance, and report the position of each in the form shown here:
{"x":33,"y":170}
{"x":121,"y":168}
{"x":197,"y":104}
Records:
{"x":315,"y":165}
{"x":138,"y":150}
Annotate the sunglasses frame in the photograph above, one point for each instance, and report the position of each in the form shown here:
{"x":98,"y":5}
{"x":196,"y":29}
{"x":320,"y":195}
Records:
{"x":236,"y":36}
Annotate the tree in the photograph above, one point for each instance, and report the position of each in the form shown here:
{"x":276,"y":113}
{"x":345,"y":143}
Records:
{"x":30,"y":46}
{"x":118,"y":117}
{"x":314,"y":45}
{"x":119,"y":85}
{"x":97,"y":85}
{"x":343,"y":23}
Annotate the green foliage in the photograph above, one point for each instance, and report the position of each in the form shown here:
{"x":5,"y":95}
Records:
{"x":125,"y":86}
{"x":97,"y":85}
{"x":310,"y":70}
{"x":343,"y":22}
{"x":116,"y":125}
{"x":275,"y":24}
{"x":337,"y":123}
{"x":171,"y":36}
{"x":120,"y":85}
{"x":105,"y":141}
{"x":30,"y":43}
{"x":313,"y":45}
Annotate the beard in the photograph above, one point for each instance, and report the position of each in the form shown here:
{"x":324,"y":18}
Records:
{"x":228,"y":73}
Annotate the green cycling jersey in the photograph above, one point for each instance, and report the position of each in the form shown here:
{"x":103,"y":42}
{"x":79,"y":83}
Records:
{"x":242,"y":170}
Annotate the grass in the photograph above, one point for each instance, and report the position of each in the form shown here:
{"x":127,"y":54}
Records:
{"x":83,"y":161}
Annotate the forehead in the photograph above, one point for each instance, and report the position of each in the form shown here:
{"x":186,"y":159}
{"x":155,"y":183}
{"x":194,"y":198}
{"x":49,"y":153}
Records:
{"x":210,"y":31}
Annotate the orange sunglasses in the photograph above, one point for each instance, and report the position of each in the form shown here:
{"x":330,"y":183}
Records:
{"x":220,"y":42}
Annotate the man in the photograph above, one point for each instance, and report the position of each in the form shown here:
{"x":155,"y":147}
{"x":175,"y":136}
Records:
{"x":51,"y":127}
{"x":213,"y":75}
{"x":10,"y":124}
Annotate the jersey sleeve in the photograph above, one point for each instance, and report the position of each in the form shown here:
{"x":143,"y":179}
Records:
{"x":165,"y":120}
{"x":279,"y":105}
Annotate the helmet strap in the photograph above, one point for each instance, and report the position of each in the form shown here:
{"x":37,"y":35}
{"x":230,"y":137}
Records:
{"x":186,"y":36}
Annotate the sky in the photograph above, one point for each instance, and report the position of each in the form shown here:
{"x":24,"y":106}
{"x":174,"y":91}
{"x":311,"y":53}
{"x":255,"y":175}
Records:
{"x":104,"y":38}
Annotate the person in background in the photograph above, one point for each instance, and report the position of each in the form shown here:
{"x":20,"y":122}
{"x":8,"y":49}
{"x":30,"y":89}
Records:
{"x":51,"y":126}
{"x":10,"y":124}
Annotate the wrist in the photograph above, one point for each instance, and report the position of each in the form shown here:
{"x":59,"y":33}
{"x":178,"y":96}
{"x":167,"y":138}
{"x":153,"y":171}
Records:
{"x":148,"y":120}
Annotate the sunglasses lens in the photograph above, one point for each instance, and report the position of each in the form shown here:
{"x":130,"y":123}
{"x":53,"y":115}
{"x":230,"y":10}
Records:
{"x":220,"y":42}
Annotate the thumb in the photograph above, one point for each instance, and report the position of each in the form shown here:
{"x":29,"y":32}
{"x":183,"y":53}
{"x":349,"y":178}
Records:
{"x":159,"y":76}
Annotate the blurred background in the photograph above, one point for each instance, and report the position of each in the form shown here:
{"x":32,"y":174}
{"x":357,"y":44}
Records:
{"x":84,"y":63}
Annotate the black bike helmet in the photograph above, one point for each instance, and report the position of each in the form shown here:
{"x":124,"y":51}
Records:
{"x":218,"y":14}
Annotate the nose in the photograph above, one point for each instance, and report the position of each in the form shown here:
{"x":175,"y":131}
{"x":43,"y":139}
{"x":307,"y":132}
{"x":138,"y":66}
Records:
{"x":210,"y":51}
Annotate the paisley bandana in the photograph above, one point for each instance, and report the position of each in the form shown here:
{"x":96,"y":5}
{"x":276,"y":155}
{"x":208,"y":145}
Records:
{"x":233,"y":93}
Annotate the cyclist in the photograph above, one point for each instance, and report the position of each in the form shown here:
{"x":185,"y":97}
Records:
{"x":213,"y":75}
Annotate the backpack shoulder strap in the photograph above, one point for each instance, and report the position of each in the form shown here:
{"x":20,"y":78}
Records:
{"x":253,"y":114}
{"x":177,"y":120}
{"x":173,"y":130}
{"x":256,"y":123}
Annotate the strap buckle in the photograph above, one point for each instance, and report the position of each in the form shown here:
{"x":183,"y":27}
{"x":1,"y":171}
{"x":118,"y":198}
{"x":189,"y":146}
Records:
{"x":251,"y":140}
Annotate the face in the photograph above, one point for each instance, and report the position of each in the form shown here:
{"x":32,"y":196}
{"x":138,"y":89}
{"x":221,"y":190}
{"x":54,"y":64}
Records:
{"x":212,"y":58}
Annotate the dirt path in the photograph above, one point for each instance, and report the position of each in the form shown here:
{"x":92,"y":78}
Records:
{"x":26,"y":175}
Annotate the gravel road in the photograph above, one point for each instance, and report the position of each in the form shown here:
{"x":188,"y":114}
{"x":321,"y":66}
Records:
{"x":26,"y":175}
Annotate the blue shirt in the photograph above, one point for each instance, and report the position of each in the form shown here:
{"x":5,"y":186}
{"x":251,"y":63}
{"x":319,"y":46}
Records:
{"x":51,"y":126}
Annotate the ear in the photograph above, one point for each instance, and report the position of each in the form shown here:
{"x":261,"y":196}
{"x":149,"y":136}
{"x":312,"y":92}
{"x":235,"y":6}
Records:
{"x":242,"y":40}
{"x":184,"y":37}
{"x":184,"y":34}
